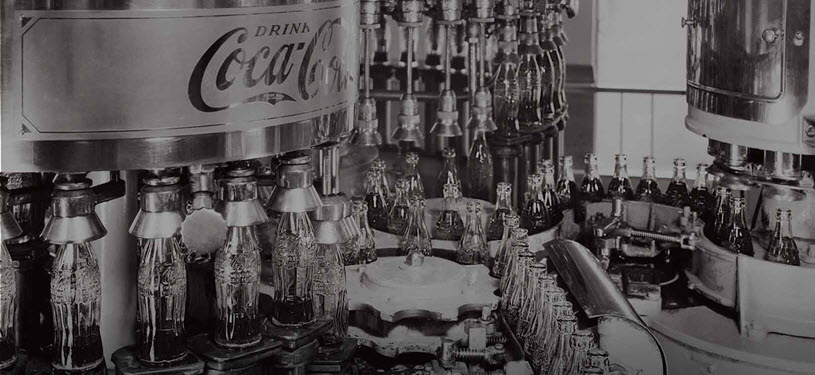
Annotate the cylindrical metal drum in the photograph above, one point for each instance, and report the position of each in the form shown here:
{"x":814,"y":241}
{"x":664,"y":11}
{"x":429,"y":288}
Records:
{"x":116,"y":85}
{"x":750,"y":73}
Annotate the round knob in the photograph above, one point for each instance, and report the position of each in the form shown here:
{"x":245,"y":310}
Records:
{"x":771,"y":35}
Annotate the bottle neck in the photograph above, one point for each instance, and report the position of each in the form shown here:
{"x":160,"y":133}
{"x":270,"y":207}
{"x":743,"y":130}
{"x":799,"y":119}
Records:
{"x":679,"y":174}
{"x":449,"y":203}
{"x":649,"y":171}
{"x":373,"y":185}
{"x":412,"y":169}
{"x":548,"y":180}
{"x":533,"y":187}
{"x":503,"y":200}
{"x":401,"y":197}
{"x":701,"y":181}
{"x":737,"y":212}
{"x":449,"y":164}
{"x":620,"y":170}
{"x":566,"y":172}
{"x":593,"y":171}
{"x":783,"y":224}
{"x":362,"y":220}
{"x":529,"y":29}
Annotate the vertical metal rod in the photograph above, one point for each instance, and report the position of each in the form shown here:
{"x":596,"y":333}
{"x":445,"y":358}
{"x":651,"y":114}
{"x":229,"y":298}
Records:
{"x":447,"y":64}
{"x":367,"y":63}
{"x":482,"y":41}
{"x":329,"y":168}
{"x":409,"y":89}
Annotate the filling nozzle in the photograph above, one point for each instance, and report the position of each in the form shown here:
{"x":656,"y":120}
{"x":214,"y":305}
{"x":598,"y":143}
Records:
{"x":409,"y":15}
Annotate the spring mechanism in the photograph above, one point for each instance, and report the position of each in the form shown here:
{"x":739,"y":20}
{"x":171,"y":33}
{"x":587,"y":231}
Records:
{"x":469,"y":355}
{"x":655,"y":236}
{"x":496,"y":339}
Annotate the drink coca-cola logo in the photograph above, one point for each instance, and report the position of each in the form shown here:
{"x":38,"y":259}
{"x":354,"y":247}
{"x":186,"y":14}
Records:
{"x":291,"y":62}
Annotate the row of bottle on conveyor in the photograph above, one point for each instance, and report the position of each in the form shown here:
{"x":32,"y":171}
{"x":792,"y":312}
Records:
{"x":541,"y":208}
{"x":539,"y":314}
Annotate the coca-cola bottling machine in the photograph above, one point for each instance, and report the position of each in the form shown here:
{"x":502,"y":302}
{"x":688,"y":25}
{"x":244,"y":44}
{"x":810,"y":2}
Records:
{"x":183,"y":192}
{"x":750,"y":89}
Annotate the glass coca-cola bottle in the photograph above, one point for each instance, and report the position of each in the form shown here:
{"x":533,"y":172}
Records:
{"x":530,"y":306}
{"x":556,"y":307}
{"x":563,"y":349}
{"x":449,"y":226}
{"x":472,"y":248}
{"x":648,"y":187}
{"x":400,"y":212}
{"x":530,"y":79}
{"x":503,"y":207}
{"x":736,"y":235}
{"x":162,"y":298}
{"x":534,"y":216}
{"x":414,"y":179}
{"x":533,"y":338}
{"x":330,"y":294}
{"x":591,"y":188}
{"x":377,"y":201}
{"x":505,"y":82}
{"x":782,"y":247}
{"x":718,"y":216}
{"x":479,"y":168}
{"x":416,"y":238}
{"x":620,"y":185}
{"x":563,"y":320}
{"x":237,"y":264}
{"x":291,"y":262}
{"x":381,"y":169}
{"x":550,"y":101}
{"x":516,"y":292}
{"x":499,"y":266}
{"x":8,"y":281}
{"x":517,"y":236}
{"x":449,"y":171}
{"x":76,"y":299}
{"x":551,"y":201}
{"x":581,"y":341}
{"x":566,"y":186}
{"x":365,"y":239}
{"x":700,"y":196}
{"x":677,"y":192}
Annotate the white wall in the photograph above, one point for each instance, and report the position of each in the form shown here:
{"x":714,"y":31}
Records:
{"x":641,"y":45}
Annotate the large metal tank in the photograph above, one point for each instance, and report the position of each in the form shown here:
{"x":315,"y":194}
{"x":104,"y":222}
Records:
{"x":99,"y":85}
{"x":750,"y":76}
{"x":115,"y":85}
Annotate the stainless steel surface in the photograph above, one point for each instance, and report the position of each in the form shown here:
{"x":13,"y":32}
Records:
{"x":159,"y":213}
{"x":330,"y":226}
{"x":166,"y":89}
{"x":295,"y":191}
{"x":587,"y":281}
{"x":239,"y":204}
{"x":9,"y":228}
{"x":74,"y":218}
{"x":766,"y":79}
{"x":763,"y":99}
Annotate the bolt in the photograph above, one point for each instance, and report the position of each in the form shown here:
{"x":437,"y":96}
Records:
{"x":810,"y":131}
{"x":798,"y":38}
